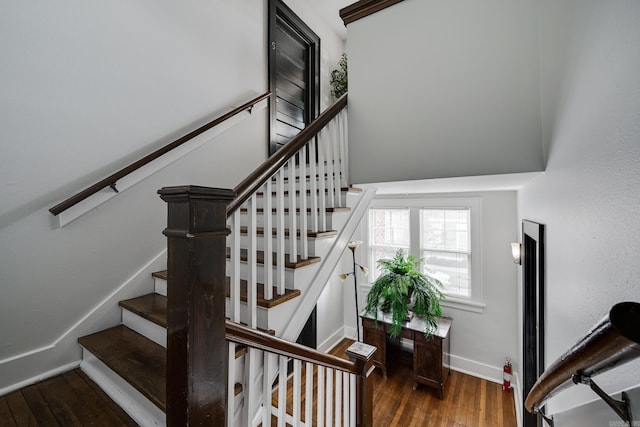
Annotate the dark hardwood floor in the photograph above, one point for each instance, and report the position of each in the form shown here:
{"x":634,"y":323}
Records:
{"x":70,"y":399}
{"x":468,"y":401}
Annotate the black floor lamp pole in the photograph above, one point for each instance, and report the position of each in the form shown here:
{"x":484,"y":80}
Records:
{"x":355,"y":288}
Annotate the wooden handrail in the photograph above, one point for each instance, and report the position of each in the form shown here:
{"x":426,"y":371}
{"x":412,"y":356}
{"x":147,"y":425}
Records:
{"x":111,"y":180}
{"x":254,"y":181}
{"x":363,"y":8}
{"x":253,"y":338}
{"x":612,"y":342}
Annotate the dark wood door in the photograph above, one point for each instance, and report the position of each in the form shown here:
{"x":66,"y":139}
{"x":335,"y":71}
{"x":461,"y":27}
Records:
{"x":293,"y":75}
{"x":533,"y":311}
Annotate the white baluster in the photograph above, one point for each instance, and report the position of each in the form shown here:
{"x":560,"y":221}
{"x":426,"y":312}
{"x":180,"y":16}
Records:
{"x":346,"y":397}
{"x":234,"y":271}
{"x":231,"y":384}
{"x":313,"y":173}
{"x":280,"y":225}
{"x":345,"y":144}
{"x":321,"y":397}
{"x":335,"y":148}
{"x":268,"y":242}
{"x":267,"y":385}
{"x":250,"y":406}
{"x":252,"y":264}
{"x":297,"y":391}
{"x":328,"y":149}
{"x":293,"y":250}
{"x":303,"y":203}
{"x":282,"y":392}
{"x":329,"y":397}
{"x":322,"y":206}
{"x":338,"y":416}
{"x":308,"y":395}
{"x":352,"y":405}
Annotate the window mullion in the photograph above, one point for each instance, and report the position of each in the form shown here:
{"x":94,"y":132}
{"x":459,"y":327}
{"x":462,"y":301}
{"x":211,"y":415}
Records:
{"x":415,"y":232}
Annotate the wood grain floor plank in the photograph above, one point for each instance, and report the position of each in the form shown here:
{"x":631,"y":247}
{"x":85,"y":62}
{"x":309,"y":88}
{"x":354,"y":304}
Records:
{"x":6,"y":417}
{"x":20,"y":410}
{"x":58,"y":396}
{"x":39,"y":407}
{"x":468,"y":401}
{"x":114,"y":410}
{"x":95,"y":406}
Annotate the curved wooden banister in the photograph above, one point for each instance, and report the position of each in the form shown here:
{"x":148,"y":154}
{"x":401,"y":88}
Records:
{"x":612,"y":342}
{"x":111,"y":180}
{"x":263,"y":341}
{"x":253,"y":182}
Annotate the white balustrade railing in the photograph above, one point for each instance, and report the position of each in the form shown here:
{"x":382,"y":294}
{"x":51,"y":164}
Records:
{"x":261,"y":255}
{"x":294,"y":201}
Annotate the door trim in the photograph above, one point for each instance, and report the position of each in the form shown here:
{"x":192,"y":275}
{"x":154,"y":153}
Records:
{"x":533,"y":312}
{"x":277,"y":8}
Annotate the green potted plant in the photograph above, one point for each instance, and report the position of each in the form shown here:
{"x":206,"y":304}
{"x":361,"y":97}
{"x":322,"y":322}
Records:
{"x":402,"y":288}
{"x":339,"y":81}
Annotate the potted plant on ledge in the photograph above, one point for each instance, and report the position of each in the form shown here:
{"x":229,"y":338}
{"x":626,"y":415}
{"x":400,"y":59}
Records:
{"x":403,"y":288}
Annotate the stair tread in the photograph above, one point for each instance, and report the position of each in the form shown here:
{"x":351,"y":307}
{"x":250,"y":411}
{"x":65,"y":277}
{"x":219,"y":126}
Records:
{"x":138,"y":360}
{"x":286,"y":210}
{"x":292,"y":265}
{"x":310,"y":234}
{"x":160,"y":274}
{"x":152,"y":307}
{"x":286,"y":192}
{"x":266,"y":303}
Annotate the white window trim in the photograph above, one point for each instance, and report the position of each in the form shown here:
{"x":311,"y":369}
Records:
{"x":474,"y":302}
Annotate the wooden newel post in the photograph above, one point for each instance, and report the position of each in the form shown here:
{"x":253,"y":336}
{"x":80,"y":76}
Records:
{"x":197,"y":359}
{"x":362,"y":355}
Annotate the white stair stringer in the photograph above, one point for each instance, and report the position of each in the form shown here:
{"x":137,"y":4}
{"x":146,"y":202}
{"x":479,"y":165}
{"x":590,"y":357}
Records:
{"x":311,"y":293}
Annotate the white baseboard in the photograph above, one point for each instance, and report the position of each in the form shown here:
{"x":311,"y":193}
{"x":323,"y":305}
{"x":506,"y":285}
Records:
{"x":476,"y":369}
{"x":63,"y":353}
{"x":332,"y":341}
{"x":40,"y":377}
{"x":517,"y":397}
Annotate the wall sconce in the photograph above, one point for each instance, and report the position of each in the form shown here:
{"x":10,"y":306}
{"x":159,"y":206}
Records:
{"x":353,"y":245}
{"x":516,"y":252}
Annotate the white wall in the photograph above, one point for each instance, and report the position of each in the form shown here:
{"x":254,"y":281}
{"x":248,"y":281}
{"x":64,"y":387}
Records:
{"x":589,"y":196}
{"x":480,"y":342}
{"x":444,"y":89}
{"x":84,"y":90}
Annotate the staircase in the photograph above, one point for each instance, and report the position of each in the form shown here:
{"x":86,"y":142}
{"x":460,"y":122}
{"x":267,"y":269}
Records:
{"x":287,"y":236}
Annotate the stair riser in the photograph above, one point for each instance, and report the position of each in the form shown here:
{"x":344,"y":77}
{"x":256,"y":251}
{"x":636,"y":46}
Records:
{"x":261,"y":219}
{"x":144,"y":327}
{"x":313,"y":244}
{"x":291,"y":276}
{"x":141,"y":409}
{"x":308,"y":183}
{"x":339,"y":201}
{"x":158,"y":334}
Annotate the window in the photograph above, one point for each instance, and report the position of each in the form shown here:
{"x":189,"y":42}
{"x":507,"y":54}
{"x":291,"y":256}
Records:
{"x":445,"y":248}
{"x":443,"y":233}
{"x":388,"y":232}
